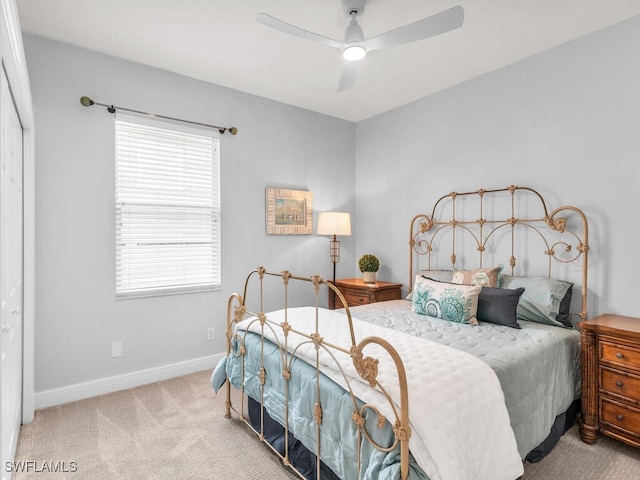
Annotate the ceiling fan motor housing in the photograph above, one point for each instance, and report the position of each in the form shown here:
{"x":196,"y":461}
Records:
{"x":354,"y":33}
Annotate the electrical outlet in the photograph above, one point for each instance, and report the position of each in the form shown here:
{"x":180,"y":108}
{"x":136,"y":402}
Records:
{"x":211,"y":333}
{"x":116,"y":349}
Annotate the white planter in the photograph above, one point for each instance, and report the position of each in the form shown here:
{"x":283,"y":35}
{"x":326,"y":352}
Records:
{"x":369,"y":277}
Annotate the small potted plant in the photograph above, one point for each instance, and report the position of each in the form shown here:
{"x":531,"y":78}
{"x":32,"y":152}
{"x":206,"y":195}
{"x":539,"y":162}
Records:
{"x":369,"y":265}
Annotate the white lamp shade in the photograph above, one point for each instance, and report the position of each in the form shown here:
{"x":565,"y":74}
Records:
{"x":334,"y":223}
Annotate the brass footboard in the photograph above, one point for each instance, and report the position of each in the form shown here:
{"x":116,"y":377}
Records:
{"x":366,"y":366}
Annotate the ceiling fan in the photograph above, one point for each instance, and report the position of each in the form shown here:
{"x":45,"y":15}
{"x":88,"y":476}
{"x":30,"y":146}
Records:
{"x":355,"y":46}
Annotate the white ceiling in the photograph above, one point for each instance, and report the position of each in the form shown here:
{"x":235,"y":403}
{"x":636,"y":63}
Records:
{"x":221,"y":42}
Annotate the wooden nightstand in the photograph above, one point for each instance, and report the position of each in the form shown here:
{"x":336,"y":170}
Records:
{"x":611,"y":379}
{"x":356,"y":292}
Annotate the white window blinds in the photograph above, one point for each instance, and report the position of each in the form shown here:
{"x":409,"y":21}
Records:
{"x":167,"y":208}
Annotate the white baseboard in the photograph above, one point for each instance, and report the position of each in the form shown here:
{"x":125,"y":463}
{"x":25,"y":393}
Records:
{"x":79,"y":391}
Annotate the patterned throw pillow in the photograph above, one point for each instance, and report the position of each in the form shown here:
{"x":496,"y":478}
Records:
{"x":438,"y":275}
{"x":455,"y":303}
{"x":487,"y":277}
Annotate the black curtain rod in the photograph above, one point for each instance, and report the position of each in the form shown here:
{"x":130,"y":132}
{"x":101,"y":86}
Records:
{"x":87,"y":102}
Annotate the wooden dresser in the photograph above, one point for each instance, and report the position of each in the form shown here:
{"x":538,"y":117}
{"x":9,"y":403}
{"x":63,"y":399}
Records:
{"x":356,"y":292}
{"x":611,"y":379}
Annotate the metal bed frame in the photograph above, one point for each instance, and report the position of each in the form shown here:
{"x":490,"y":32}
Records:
{"x":367,"y":367}
{"x":563,"y":233}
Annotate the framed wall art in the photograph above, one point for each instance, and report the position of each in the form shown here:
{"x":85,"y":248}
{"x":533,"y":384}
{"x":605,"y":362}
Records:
{"x":289,"y":212}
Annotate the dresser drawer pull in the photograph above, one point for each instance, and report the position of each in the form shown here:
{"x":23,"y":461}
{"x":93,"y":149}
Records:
{"x":619,"y":417}
{"x":620,"y":355}
{"x":619,"y":383}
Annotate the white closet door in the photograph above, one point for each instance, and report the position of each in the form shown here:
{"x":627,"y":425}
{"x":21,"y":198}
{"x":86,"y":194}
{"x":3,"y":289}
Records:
{"x":11,"y":274}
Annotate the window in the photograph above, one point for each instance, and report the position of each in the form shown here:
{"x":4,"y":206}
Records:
{"x":167,"y":208}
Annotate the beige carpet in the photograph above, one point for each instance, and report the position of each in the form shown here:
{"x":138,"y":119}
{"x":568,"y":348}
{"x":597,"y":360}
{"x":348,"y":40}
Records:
{"x":176,"y":430}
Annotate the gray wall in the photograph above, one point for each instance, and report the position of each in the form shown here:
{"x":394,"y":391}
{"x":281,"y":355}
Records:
{"x":564,"y":122}
{"x":78,"y":317}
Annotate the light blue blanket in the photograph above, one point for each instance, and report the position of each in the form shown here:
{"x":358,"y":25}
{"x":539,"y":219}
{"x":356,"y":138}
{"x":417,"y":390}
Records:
{"x":538,"y":366}
{"x":339,"y":434}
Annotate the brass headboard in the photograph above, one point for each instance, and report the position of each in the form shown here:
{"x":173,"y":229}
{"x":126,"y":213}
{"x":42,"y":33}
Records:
{"x":509,"y":226}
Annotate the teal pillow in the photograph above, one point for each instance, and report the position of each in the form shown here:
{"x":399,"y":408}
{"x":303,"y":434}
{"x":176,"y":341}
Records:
{"x":545,"y":300}
{"x":448,"y":301}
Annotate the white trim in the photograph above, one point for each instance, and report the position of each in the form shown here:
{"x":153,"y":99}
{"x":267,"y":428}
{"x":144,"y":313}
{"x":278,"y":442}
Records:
{"x":29,"y":277}
{"x":79,"y":391}
{"x":13,"y":58}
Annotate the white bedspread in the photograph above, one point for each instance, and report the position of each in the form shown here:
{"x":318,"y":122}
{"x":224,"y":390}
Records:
{"x":460,"y":425}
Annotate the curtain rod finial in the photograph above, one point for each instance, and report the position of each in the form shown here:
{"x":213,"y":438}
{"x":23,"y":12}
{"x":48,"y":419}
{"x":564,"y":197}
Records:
{"x":87,"y":102}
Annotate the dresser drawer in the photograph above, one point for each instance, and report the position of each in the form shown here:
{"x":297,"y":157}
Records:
{"x":620,"y":416}
{"x":620,"y":383}
{"x":354,"y":299}
{"x":610,"y":352}
{"x":618,"y":354}
{"x":385,"y":295}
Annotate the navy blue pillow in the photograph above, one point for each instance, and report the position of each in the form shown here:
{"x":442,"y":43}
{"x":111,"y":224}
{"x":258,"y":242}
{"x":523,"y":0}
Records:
{"x":499,"y":305}
{"x":565,"y":305}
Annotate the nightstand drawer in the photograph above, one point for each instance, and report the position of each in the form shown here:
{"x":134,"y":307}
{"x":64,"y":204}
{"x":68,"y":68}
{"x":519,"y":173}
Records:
{"x":620,"y":355}
{"x":383,"y":296}
{"x":610,"y":351}
{"x":356,"y":292}
{"x":619,"y":383}
{"x":355,"y":299}
{"x":620,"y":416}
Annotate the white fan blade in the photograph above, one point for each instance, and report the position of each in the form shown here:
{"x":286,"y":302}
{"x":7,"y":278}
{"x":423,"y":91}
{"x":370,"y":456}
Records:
{"x":437,"y":24}
{"x":285,"y":27}
{"x":348,"y":77}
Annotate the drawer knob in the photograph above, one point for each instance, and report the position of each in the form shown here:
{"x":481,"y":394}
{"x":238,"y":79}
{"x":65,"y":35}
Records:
{"x":619,"y":417}
{"x":619,"y":383}
{"x":620,"y":355}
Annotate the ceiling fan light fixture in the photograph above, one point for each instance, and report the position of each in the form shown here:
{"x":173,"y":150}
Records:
{"x":353,"y":53}
{"x":355,"y":45}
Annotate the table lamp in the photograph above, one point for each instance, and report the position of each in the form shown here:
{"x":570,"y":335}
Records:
{"x":334,"y":223}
